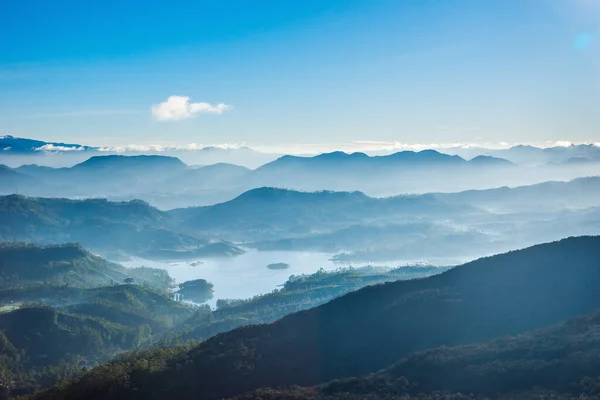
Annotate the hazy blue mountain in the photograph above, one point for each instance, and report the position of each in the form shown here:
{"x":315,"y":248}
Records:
{"x":15,"y":145}
{"x":12,"y":181}
{"x":16,"y":151}
{"x":401,"y":172}
{"x":548,"y":196}
{"x":216,"y":176}
{"x":132,"y":228}
{"x":488,"y":160}
{"x":357,"y":227}
{"x":388,"y":242}
{"x":531,"y":155}
{"x":342,"y":163}
{"x":267,"y":213}
{"x":126,"y":164}
{"x":167,"y":182}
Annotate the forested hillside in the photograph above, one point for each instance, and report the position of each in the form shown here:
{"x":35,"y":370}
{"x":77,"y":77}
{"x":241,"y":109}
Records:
{"x":111,"y":228}
{"x":372,"y":328}
{"x":297,"y":294}
{"x":560,"y":362}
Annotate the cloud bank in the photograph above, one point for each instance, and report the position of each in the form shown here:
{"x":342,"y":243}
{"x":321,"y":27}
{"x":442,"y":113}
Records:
{"x":177,"y":108}
{"x":53,"y":148}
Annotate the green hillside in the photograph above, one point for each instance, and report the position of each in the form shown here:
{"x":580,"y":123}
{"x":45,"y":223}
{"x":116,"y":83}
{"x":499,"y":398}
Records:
{"x":372,"y":328}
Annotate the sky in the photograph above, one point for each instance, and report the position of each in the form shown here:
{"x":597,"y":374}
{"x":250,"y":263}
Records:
{"x":296,"y":74}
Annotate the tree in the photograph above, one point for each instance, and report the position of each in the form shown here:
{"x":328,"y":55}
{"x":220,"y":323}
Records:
{"x":128,"y":281}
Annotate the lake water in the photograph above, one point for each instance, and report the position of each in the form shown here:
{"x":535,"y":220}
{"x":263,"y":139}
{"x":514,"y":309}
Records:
{"x":247,"y":275}
{"x":243,"y":276}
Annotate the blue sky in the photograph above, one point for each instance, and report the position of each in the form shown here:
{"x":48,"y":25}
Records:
{"x":284,"y":73}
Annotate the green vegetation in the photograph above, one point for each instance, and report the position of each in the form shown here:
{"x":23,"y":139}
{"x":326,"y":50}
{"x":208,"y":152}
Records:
{"x":45,"y":344}
{"x":41,"y":345}
{"x":111,"y":309}
{"x":300,"y":292}
{"x":115,"y":228}
{"x":198,"y":290}
{"x":63,"y":309}
{"x":70,"y":264}
{"x":376,"y":326}
{"x":560,"y":363}
{"x":267,"y":213}
{"x":27,"y":266}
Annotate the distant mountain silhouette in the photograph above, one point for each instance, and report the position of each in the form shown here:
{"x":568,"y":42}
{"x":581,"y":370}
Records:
{"x":488,"y":160}
{"x":15,"y":145}
{"x":271,"y":212}
{"x":576,"y":194}
{"x":340,"y":159}
{"x":125,"y":164}
{"x":531,"y":155}
{"x":402,"y":172}
{"x":167,"y":182}
{"x":13,"y":181}
{"x":215,"y":175}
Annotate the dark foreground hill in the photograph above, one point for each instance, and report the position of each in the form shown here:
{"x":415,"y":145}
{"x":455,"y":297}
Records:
{"x":560,"y":362}
{"x":70,"y":329}
{"x":372,"y":328}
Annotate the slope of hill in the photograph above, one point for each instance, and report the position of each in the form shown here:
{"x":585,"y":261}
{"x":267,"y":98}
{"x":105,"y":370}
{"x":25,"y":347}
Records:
{"x":132,"y":227}
{"x":128,"y":164}
{"x":13,"y":181}
{"x":42,"y":344}
{"x":269,"y":213}
{"x":388,"y":242}
{"x":560,"y":362}
{"x":366,"y":330}
{"x":62,"y":309}
{"x":130,"y":305}
{"x":300,"y":292}
{"x":325,"y":162}
{"x":405,"y":170}
{"x":70,"y":264}
{"x":550,"y":196}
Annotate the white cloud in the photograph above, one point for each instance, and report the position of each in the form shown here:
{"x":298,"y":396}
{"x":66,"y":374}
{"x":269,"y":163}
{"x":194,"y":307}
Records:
{"x":176,"y":108}
{"x":156,"y":148}
{"x":559,"y":143}
{"x":50,"y":148}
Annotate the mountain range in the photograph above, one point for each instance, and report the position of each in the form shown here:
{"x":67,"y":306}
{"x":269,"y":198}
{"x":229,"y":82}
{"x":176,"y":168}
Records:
{"x":533,"y":156}
{"x":15,"y":151}
{"x":15,"y":145}
{"x":352,"y":225}
{"x":168,"y":182}
{"x":114,"y":229}
{"x":519,"y":154}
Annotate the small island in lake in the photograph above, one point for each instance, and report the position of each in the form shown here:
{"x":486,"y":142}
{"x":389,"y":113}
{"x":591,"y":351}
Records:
{"x":195,"y":264}
{"x":278,"y":266}
{"x":198,"y":290}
